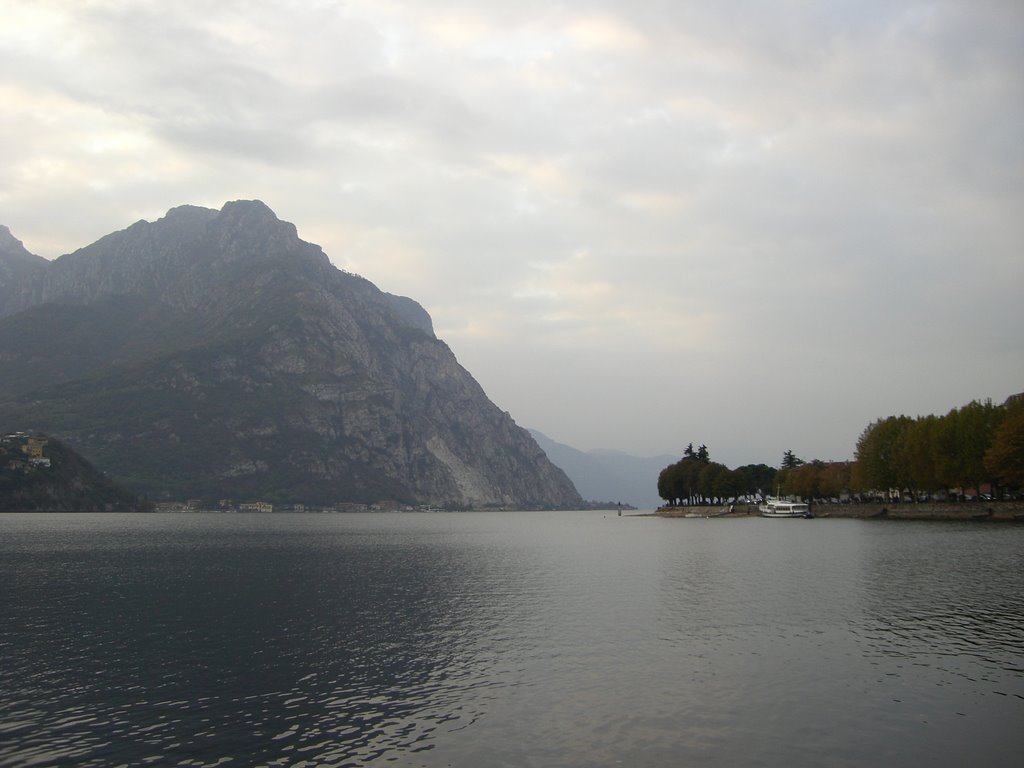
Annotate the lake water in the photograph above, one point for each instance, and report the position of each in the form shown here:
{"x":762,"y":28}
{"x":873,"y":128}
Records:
{"x":508,"y":639}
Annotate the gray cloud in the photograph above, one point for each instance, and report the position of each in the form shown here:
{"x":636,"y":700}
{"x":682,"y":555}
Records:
{"x":759,"y":226}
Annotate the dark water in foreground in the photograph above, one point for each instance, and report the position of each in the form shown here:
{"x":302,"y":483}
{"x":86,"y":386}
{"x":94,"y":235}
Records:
{"x":519,"y":639}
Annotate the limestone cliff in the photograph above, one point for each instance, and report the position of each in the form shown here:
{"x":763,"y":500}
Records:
{"x":214,"y":353}
{"x":17,"y":268}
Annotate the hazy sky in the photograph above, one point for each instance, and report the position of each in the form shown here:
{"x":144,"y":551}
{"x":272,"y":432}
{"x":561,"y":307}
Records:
{"x":756,"y":225}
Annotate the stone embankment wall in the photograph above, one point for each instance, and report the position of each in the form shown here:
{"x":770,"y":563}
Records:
{"x":970,"y":510}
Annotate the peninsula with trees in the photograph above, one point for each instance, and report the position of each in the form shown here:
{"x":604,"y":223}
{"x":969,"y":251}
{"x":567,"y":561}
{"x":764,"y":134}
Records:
{"x":923,"y":467}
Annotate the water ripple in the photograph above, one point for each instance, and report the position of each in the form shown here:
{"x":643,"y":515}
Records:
{"x":506,"y":640}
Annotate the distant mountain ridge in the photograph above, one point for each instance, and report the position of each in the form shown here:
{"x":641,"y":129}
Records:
{"x":608,"y":475}
{"x":214,"y":353}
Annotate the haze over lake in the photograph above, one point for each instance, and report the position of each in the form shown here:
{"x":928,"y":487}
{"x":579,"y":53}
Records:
{"x":508,"y":639}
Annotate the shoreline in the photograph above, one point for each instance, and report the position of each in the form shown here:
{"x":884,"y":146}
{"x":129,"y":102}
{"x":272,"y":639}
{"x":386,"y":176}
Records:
{"x":999,"y":511}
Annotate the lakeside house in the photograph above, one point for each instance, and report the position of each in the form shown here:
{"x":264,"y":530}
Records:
{"x":34,"y":447}
{"x":256,"y":506}
{"x":31,"y":449}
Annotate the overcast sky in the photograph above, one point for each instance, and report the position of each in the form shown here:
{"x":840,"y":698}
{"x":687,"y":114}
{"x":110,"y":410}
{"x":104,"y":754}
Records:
{"x":638,"y":223}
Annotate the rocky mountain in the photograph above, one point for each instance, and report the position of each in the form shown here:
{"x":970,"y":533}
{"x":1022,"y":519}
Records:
{"x":608,"y":475}
{"x":215,"y":354}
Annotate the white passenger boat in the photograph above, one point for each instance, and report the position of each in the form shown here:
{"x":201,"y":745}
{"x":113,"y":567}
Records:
{"x":783,"y":508}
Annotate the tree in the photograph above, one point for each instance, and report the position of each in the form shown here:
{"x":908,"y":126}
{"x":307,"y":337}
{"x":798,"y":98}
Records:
{"x":1004,"y":460}
{"x":756,"y":479}
{"x":685,"y":480}
{"x":667,"y":484}
{"x":899,"y":434}
{"x":727,"y":484}
{"x":679,"y":482}
{"x":713,"y":480}
{"x":689,"y":478}
{"x":817,"y":479}
{"x":877,"y":448}
{"x":835,"y":479}
{"x":962,"y":438}
{"x":790,"y":461}
{"x":978,"y":422}
{"x":917,"y":455}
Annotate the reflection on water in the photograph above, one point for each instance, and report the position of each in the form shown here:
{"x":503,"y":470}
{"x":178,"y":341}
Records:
{"x":950,"y":590}
{"x":508,"y":639}
{"x":943,"y":629}
{"x":864,"y":641}
{"x":341,"y":644}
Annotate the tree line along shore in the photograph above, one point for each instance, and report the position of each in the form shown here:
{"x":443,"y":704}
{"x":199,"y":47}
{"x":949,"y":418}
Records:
{"x":1002,"y":511}
{"x":972,"y":453}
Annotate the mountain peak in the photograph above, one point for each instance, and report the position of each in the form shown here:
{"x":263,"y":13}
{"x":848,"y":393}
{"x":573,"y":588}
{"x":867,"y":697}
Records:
{"x":168,"y":258}
{"x":254,"y":214}
{"x":233,"y":208}
{"x":12,"y":246}
{"x":248,"y":208}
{"x":241,"y":214}
{"x":253,"y":220}
{"x":187,"y":212}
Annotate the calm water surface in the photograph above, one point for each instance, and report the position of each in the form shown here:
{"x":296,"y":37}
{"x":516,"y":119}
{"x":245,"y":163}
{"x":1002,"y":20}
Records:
{"x":508,"y":639}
